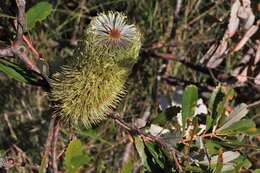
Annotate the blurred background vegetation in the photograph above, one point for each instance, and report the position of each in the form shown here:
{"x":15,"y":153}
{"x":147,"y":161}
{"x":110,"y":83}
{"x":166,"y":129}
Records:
{"x":175,"y":41}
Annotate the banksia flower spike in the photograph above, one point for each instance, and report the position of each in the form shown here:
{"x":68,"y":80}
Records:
{"x":93,"y":83}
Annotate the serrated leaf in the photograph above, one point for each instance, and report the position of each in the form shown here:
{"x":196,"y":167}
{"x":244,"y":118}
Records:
{"x":37,"y":13}
{"x":229,"y":94}
{"x":220,"y":160}
{"x":242,"y":161}
{"x":243,"y":125}
{"x":12,"y":73}
{"x":156,"y":156}
{"x":189,"y":102}
{"x":222,"y":97}
{"x":237,"y":114}
{"x":140,"y":147}
{"x":228,"y":168}
{"x":227,"y":157}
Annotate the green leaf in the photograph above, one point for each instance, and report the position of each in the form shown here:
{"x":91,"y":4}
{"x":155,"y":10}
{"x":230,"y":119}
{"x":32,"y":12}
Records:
{"x":218,"y":101}
{"x":244,"y":125}
{"x":257,"y":171}
{"x":189,"y":102}
{"x":74,"y":149}
{"x":237,"y":114}
{"x":12,"y":73}
{"x":241,"y":126}
{"x":229,"y":94}
{"x":153,"y":156}
{"x":80,"y":160}
{"x":23,"y":74}
{"x":157,"y":156}
{"x":227,"y":157}
{"x":74,"y":157}
{"x":42,"y":166}
{"x":128,"y":166}
{"x":209,"y":121}
{"x":219,"y":165}
{"x":166,"y":115}
{"x":140,"y":147}
{"x":242,"y":161}
{"x":37,"y":13}
{"x":212,"y":147}
{"x":216,"y":97}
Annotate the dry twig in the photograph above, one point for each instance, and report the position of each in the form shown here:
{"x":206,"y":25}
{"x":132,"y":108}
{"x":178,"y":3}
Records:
{"x":17,"y":47}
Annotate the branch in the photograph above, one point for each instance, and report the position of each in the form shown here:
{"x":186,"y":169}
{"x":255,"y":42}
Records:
{"x":20,"y":20}
{"x":6,"y":52}
{"x":132,"y":130}
{"x":171,"y":80}
{"x":253,"y":104}
{"x":17,"y":48}
{"x":51,"y":142}
{"x":54,"y":152}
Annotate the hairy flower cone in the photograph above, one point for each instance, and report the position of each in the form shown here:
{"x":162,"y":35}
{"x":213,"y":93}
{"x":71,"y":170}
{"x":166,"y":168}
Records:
{"x":92,"y":84}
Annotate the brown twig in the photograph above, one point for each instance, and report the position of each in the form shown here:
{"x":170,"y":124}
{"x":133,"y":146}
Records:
{"x":54,"y":153}
{"x":50,"y":146}
{"x":129,"y":147}
{"x":171,"y":80}
{"x":26,"y":160}
{"x":73,"y":40}
{"x":17,"y":47}
{"x":132,"y":130}
{"x":253,"y":104}
{"x":30,"y":45}
{"x":9,"y":124}
{"x":178,"y":8}
{"x":6,"y":52}
{"x":14,"y":48}
{"x":127,"y":152}
{"x":20,"y":20}
{"x":48,"y":143}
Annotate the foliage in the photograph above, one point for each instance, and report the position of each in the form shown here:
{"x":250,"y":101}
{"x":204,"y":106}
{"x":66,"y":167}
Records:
{"x":37,"y":13}
{"x":74,"y":157}
{"x":191,"y":102}
{"x":206,"y":148}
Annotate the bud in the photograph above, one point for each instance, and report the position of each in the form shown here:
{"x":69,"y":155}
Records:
{"x":93,"y":83}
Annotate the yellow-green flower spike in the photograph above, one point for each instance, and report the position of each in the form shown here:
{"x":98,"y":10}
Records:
{"x":92,"y":84}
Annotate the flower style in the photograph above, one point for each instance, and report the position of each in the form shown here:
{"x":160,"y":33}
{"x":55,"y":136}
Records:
{"x":111,"y":29}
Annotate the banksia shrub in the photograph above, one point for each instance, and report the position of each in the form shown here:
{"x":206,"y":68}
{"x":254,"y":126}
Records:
{"x":93,"y":82}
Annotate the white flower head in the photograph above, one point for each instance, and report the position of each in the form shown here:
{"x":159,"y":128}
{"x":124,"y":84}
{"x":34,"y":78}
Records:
{"x":111,"y":29}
